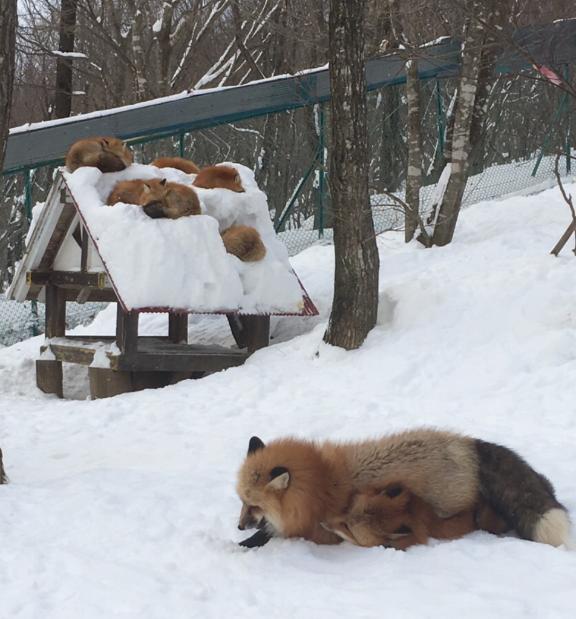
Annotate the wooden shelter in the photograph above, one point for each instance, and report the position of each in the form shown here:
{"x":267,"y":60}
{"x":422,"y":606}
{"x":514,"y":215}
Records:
{"x":62,"y":263}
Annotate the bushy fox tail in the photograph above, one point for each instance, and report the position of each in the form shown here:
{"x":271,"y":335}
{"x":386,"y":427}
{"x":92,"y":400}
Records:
{"x":523,"y":497}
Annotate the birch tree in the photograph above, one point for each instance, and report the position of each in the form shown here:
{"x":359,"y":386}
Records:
{"x":355,"y":302}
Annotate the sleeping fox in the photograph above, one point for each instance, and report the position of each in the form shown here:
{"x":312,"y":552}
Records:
{"x":219,"y":176}
{"x":157,"y":197}
{"x":108,"y":154}
{"x":289,"y":487}
{"x":395,"y":517}
{"x":184,"y":165}
{"x":244,"y":242}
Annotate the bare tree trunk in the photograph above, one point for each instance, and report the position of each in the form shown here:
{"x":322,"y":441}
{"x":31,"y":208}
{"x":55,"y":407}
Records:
{"x":449,"y":206}
{"x":355,"y":303}
{"x":414,"y":139}
{"x":63,"y":96}
{"x":8,"y":19}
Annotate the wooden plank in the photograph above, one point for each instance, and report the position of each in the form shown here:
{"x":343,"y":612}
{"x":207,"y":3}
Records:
{"x":64,"y":220}
{"x":235,"y":322}
{"x":84,"y":250}
{"x":107,"y":295}
{"x":73,"y":354}
{"x":182,"y":362}
{"x":49,"y":377}
{"x":570,"y":230}
{"x":55,"y":321}
{"x":106,"y":383}
{"x":70,"y":279}
{"x":178,"y":328}
{"x":126,"y":330}
{"x":256,"y":332}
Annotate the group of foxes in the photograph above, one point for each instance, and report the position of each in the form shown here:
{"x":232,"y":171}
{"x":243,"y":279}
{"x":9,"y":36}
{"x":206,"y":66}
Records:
{"x":162,"y":199}
{"x":396,"y":491}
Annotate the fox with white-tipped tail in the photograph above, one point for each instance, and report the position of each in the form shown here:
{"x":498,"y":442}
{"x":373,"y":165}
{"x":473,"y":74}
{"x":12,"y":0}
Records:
{"x":290,"y":487}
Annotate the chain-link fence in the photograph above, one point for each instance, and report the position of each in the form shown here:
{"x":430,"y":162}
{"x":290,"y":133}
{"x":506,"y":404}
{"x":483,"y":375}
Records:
{"x":527,"y":123}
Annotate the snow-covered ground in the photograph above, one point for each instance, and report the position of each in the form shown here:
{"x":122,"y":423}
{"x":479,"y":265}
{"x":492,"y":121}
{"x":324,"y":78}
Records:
{"x":126,"y":507}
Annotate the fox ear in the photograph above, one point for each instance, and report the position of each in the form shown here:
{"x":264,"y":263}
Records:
{"x":254,"y":445}
{"x":163,"y":182}
{"x":146,"y":188}
{"x":279,"y":478}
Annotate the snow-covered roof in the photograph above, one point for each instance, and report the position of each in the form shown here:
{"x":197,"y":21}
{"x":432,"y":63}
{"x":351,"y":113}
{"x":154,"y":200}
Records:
{"x":176,"y":265}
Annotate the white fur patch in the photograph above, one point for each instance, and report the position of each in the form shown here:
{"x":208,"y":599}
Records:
{"x":553,"y":528}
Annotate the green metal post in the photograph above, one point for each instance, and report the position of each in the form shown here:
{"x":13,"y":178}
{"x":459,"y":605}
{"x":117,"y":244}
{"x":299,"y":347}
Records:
{"x":181,"y":145}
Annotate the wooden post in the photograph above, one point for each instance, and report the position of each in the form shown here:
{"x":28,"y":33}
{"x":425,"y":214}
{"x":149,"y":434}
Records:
{"x":105,"y":383}
{"x":48,"y":371}
{"x":570,"y":230}
{"x":251,"y":332}
{"x":126,"y":330}
{"x":178,"y":328}
{"x":257,"y":331}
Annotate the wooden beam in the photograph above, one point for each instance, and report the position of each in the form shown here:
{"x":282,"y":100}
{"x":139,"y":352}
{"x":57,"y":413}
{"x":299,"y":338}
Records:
{"x":55,"y":320}
{"x":69,"y":279}
{"x":66,"y":217}
{"x":126,"y":330}
{"x":49,"y":377}
{"x":251,"y":332}
{"x":570,"y":230}
{"x":106,"y":383}
{"x":178,"y":328}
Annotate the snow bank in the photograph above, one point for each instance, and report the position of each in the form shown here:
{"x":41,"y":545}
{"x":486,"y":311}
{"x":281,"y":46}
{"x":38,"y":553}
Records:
{"x":126,"y":507}
{"x":182,"y":263}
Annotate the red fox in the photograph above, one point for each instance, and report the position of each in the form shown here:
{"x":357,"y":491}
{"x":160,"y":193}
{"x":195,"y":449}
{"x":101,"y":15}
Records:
{"x":107,"y":154}
{"x":244,"y":242}
{"x":396,"y":518}
{"x":223,"y":176}
{"x":157,"y":197}
{"x":3,"y":478}
{"x":290,"y":486}
{"x":184,"y":165}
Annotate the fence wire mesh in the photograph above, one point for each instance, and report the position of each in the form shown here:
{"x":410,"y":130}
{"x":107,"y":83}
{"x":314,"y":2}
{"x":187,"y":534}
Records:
{"x":527,"y":123}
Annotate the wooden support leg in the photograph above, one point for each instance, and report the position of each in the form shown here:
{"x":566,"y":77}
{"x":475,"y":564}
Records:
{"x":105,"y":383}
{"x":178,"y":328}
{"x":251,"y":332}
{"x":126,"y":330}
{"x":48,"y":371}
{"x":49,"y":377}
{"x":257,"y":332}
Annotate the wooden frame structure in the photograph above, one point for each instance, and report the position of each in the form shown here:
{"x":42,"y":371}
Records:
{"x":126,"y":361}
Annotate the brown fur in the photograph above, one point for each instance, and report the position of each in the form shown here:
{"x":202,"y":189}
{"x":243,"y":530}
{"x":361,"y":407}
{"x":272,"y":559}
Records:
{"x":395,"y":517}
{"x":184,"y":165}
{"x":3,"y":478}
{"x":449,"y":472}
{"x":317,"y":487}
{"x":108,"y":154}
{"x":244,"y":242}
{"x":423,"y":459}
{"x":157,"y":197}
{"x":219,"y":176}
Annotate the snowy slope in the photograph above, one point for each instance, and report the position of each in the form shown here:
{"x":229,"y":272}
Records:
{"x":126,"y":507}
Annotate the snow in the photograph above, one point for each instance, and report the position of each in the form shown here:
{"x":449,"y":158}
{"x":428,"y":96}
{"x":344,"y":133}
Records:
{"x":68,"y":54}
{"x":182,"y":263}
{"x":126,"y":507}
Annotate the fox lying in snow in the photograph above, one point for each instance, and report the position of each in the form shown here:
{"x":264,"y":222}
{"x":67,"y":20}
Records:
{"x":290,"y":487}
{"x":108,"y":154}
{"x":219,"y":176}
{"x":244,"y":242}
{"x":395,"y":517}
{"x":184,"y":165}
{"x":157,"y":197}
